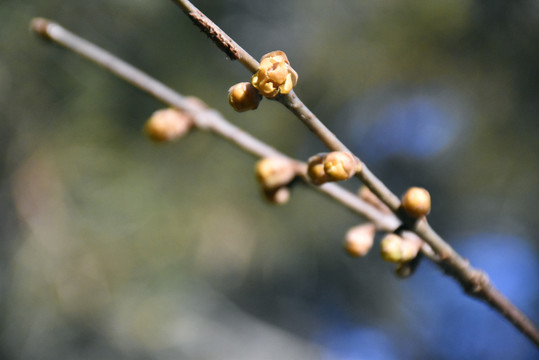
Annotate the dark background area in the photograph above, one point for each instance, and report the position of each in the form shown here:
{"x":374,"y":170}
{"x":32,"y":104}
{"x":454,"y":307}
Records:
{"x":113,"y":247}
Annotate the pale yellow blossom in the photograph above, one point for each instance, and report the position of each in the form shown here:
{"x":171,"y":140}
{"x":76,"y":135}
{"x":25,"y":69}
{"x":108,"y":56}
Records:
{"x":274,"y":75}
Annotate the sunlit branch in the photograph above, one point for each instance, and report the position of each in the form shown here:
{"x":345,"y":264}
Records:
{"x":473,"y":281}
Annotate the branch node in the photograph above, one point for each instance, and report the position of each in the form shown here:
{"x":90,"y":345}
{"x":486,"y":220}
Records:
{"x":479,"y":281}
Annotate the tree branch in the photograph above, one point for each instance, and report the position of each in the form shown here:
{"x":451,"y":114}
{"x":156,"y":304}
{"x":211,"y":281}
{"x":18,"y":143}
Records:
{"x":473,"y":281}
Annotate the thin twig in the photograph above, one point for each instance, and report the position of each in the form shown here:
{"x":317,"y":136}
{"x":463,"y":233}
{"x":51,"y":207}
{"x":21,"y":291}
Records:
{"x":203,"y":117}
{"x":474,"y":282}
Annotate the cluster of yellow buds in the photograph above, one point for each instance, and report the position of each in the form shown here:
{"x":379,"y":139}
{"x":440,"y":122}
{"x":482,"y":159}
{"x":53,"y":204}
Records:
{"x":402,"y":249}
{"x":334,"y":166}
{"x":274,"y":175}
{"x":274,"y":76}
{"x":168,"y":124}
{"x":397,"y":248}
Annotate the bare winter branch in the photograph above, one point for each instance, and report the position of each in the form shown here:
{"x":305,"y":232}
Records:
{"x":473,"y":281}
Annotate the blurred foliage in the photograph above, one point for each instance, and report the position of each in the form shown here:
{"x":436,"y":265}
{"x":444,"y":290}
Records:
{"x":113,"y":247}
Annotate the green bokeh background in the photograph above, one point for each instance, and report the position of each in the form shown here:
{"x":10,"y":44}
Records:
{"x":114,"y":247}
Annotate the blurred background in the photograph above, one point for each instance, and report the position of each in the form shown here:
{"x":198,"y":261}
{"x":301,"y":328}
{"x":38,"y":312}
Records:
{"x":113,"y":247}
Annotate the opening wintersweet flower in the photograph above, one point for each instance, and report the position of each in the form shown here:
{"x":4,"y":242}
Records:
{"x":274,"y":75}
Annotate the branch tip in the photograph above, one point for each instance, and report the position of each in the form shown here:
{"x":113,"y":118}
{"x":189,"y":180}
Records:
{"x":40,"y":27}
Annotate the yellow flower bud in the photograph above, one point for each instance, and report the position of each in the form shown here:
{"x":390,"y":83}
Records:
{"x":274,"y":75}
{"x":409,"y":249}
{"x":390,"y":248}
{"x":416,"y":202}
{"x":243,"y":97}
{"x":167,"y":125}
{"x":412,"y":244}
{"x":359,"y":239}
{"x":315,"y":170}
{"x":395,"y":248}
{"x":275,"y":172}
{"x":340,"y":165}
